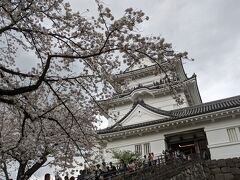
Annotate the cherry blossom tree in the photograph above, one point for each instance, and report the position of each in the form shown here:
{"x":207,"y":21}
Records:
{"x":50,"y":109}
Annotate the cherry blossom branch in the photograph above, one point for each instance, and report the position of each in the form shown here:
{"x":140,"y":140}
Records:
{"x":10,"y":71}
{"x":29,"y":88}
{"x":70,"y":137}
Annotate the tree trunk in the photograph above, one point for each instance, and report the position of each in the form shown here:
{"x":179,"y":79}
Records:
{"x":4,"y":168}
{"x":22,"y":175}
{"x":21,"y":170}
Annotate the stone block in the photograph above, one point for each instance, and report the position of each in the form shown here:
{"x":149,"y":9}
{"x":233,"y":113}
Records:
{"x":238,"y":165}
{"x":206,"y":170}
{"x":208,"y":162}
{"x":235,"y":170}
{"x":236,"y":177}
{"x":228,"y":176}
{"x":225,"y":170}
{"x":216,"y":170}
{"x":213,"y":161}
{"x":229,"y":163}
{"x":221,"y":163}
{"x":236,"y":160}
{"x":219,"y":176}
{"x":213,"y":166}
{"x":211,"y":177}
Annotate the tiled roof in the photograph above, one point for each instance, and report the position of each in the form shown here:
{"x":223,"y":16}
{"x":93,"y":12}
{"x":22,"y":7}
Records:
{"x":178,"y":113}
{"x":208,"y":107}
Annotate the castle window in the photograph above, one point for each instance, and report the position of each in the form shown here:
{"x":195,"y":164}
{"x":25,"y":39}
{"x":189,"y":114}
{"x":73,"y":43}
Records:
{"x":232,"y":134}
{"x":146,"y":148}
{"x":138,"y":148}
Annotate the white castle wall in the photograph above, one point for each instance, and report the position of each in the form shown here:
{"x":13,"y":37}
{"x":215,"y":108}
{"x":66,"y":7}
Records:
{"x":145,"y":81}
{"x":218,"y":140}
{"x":156,"y":140}
{"x":166,"y":102}
{"x":141,"y":114}
{"x":216,"y":133}
{"x":162,"y":102}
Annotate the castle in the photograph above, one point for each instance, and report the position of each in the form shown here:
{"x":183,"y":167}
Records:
{"x":151,"y":115}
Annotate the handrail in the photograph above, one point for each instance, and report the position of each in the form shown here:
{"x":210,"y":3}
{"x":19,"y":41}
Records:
{"x":161,"y":162}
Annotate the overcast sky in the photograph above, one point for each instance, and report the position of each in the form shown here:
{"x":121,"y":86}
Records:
{"x":208,"y":30}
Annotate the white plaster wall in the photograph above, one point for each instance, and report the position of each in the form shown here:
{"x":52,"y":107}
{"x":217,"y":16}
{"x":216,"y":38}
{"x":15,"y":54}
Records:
{"x":213,"y":136}
{"x":225,"y":150}
{"x":165,"y":102}
{"x":162,"y":102}
{"x":218,"y":140}
{"x":216,"y":132}
{"x":144,"y":81}
{"x":140,"y":115}
{"x":111,"y":122}
{"x":157,"y":144}
{"x":129,"y":141}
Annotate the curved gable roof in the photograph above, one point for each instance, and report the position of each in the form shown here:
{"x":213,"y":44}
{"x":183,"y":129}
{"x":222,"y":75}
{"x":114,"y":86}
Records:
{"x":148,"y":107}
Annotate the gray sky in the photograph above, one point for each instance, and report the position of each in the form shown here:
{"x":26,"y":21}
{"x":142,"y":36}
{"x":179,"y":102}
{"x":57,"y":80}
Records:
{"x":208,"y":30}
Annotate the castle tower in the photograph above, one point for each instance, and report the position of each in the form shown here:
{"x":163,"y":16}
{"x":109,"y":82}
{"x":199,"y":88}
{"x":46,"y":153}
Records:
{"x":149,"y":82}
{"x":155,"y":110}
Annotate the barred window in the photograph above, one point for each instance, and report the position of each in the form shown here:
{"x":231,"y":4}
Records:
{"x":232,"y":134}
{"x":146,"y":148}
{"x":138,"y":148}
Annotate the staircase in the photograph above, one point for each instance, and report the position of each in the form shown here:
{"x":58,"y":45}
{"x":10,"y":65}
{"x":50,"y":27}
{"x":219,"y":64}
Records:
{"x":176,"y":169}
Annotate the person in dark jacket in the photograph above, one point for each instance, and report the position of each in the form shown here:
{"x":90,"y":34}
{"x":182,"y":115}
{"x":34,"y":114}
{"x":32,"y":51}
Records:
{"x":112,"y":169}
{"x":47,"y":177}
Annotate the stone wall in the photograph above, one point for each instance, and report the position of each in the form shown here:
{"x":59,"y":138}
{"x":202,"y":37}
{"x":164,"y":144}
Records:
{"x":186,"y":170}
{"x":222,"y":169}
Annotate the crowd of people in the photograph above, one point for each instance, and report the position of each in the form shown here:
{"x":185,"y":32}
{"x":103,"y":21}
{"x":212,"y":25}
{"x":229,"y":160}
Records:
{"x":105,"y":171}
{"x":177,"y":154}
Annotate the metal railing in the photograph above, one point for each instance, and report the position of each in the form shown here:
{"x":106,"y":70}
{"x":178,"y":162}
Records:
{"x":161,"y":165}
